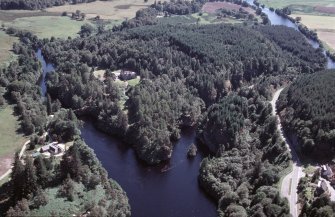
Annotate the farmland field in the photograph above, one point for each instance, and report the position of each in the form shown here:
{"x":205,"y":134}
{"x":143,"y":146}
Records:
{"x":324,"y":25}
{"x":116,"y":9}
{"x":47,"y":26}
{"x":302,"y":3}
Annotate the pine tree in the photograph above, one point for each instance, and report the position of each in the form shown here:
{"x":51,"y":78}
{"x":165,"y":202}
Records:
{"x":76,"y":164}
{"x":41,"y":172}
{"x":30,"y":179}
{"x":17,"y":175}
{"x":49,"y":105}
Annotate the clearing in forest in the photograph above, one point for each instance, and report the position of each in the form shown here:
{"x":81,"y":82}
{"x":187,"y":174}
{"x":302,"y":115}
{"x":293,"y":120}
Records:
{"x":116,"y":9}
{"x":212,"y":7}
{"x":6,"y":44}
{"x":10,"y":139}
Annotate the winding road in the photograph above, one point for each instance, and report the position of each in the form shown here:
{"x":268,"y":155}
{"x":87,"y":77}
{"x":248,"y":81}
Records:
{"x":290,"y":182}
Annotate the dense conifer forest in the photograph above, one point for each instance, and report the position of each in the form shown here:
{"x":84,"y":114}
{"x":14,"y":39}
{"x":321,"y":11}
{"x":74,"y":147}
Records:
{"x":307,"y":108}
{"x":216,"y":78}
{"x":38,"y":185}
{"x":204,"y":72}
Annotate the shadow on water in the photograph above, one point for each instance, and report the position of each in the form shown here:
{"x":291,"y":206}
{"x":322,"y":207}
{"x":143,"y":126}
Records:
{"x":169,"y":189}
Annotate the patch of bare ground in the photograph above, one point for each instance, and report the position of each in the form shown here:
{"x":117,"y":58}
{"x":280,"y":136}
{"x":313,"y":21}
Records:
{"x":327,"y":36}
{"x":323,"y":9}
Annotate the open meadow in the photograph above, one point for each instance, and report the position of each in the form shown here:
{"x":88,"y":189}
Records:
{"x":10,"y":139}
{"x":115,"y":10}
{"x":6,"y":43}
{"x":47,"y":26}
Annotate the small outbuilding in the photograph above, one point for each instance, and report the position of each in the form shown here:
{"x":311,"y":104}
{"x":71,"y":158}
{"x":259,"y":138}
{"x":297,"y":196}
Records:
{"x":326,"y":172}
{"x":127,"y":75}
{"x":54,"y":149}
{"x":44,"y":149}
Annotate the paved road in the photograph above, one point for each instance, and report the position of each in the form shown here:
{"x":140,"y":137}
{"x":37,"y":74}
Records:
{"x":24,"y":147}
{"x":290,"y":182}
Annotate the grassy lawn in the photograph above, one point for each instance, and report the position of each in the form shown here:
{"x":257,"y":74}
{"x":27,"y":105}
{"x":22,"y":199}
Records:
{"x":47,"y":26}
{"x":6,"y":43}
{"x":134,"y":81}
{"x":10,"y":140}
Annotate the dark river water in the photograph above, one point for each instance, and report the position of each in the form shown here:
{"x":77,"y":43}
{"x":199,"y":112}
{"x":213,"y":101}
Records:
{"x":168,"y":190}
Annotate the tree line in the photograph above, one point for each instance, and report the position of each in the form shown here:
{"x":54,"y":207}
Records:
{"x":307,"y":110}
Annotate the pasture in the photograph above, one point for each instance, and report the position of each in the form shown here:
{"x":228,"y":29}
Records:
{"x":115,"y":10}
{"x":48,"y":26}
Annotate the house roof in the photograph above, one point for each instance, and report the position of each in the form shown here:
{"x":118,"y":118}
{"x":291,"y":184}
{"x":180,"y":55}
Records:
{"x":45,"y":148}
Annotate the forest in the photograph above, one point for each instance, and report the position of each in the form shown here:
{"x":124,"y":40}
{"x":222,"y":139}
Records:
{"x":38,"y":185}
{"x":307,"y":109}
{"x":36,"y":4}
{"x":216,"y":78}
{"x":195,"y":68}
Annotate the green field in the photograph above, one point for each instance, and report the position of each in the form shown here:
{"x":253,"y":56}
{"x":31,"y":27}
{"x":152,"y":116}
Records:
{"x":48,"y":26}
{"x":10,"y":140}
{"x":301,"y":3}
{"x":6,"y":44}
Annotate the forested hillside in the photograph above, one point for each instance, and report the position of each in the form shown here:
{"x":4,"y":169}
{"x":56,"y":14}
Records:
{"x":206,"y":71}
{"x":249,"y":159}
{"x":307,"y":109}
{"x":36,"y":4}
{"x":39,"y":186}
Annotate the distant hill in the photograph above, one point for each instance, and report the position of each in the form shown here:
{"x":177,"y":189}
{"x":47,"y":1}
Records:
{"x":307,"y":108}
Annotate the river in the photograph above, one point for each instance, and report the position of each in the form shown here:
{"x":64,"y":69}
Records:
{"x":279,"y":20}
{"x":168,"y":190}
